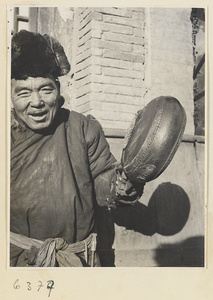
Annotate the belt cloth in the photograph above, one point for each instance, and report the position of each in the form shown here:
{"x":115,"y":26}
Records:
{"x":55,"y":251}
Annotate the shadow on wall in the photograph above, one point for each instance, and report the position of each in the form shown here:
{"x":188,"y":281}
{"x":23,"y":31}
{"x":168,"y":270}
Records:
{"x":166,"y":214}
{"x":189,"y":253}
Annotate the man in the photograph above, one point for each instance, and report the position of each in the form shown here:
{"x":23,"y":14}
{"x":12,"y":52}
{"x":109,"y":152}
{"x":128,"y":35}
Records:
{"x":61,"y":165}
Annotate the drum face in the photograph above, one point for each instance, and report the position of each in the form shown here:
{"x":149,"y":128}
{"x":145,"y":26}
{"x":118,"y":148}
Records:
{"x":154,"y":139}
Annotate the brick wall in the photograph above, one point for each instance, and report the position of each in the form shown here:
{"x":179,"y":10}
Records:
{"x":128,"y":56}
{"x":109,"y":71}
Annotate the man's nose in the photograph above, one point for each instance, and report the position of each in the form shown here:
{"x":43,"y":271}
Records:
{"x":36,"y":99}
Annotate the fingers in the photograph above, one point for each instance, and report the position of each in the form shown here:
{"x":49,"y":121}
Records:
{"x":125,"y":188}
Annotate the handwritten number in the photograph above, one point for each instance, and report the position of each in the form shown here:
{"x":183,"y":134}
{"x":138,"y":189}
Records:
{"x":40,"y":285}
{"x":29,"y":286}
{"x":50,"y":284}
{"x":16,"y":285}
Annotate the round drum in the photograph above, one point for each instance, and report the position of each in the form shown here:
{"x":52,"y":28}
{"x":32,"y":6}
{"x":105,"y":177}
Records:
{"x":153,"y":139}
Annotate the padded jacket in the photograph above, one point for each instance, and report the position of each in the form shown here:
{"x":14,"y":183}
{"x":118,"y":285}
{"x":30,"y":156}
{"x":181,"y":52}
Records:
{"x":55,"y":177}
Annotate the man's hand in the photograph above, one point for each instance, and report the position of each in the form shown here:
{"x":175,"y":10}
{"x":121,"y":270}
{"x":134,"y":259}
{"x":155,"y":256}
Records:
{"x":126,"y":191}
{"x":113,"y":188}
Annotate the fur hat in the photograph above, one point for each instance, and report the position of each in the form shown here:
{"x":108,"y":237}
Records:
{"x":36,"y":55}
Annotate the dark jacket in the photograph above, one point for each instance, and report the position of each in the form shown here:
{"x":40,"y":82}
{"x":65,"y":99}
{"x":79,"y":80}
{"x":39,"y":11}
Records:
{"x":53,"y":177}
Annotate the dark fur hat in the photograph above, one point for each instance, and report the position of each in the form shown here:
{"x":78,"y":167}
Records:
{"x":36,"y":55}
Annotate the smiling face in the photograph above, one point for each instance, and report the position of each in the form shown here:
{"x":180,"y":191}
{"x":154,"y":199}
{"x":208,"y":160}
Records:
{"x":36,"y":101}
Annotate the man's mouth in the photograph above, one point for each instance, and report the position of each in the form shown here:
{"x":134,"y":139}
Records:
{"x":38,"y":115}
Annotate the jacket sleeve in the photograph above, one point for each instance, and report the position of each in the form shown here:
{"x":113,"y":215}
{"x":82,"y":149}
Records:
{"x":102,"y":163}
{"x":99,"y":155}
{"x":110,"y":187}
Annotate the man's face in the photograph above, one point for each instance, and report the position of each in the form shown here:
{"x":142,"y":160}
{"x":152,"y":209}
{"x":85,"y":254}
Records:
{"x":35,"y":101}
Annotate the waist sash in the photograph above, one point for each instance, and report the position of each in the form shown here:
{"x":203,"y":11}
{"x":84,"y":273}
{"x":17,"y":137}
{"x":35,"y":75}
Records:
{"x":57,"y":250}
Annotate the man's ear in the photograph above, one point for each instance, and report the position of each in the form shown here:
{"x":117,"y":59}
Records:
{"x":61,"y":98}
{"x":57,"y":82}
{"x":60,"y":101}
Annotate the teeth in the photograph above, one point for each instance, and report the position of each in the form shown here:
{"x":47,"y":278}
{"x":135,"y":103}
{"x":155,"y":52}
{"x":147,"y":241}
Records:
{"x":38,"y":114}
